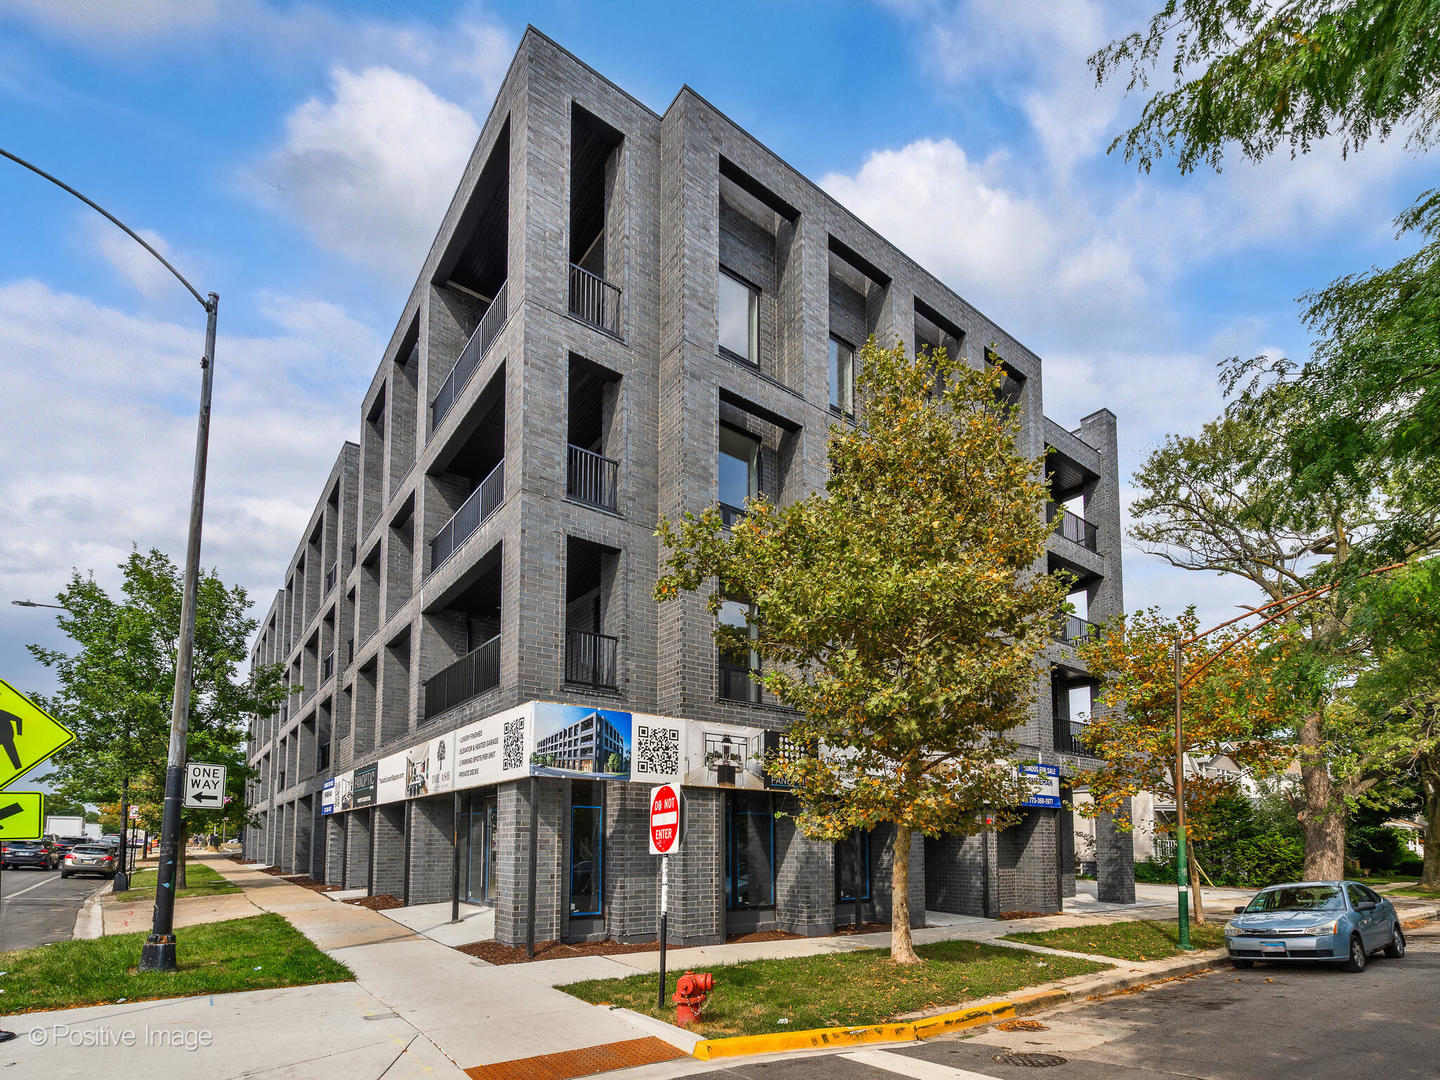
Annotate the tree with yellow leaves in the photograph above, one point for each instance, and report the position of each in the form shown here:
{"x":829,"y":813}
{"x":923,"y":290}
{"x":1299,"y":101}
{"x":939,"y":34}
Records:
{"x":898,"y":611}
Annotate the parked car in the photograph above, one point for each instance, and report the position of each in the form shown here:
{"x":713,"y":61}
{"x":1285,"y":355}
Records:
{"x":65,"y":843}
{"x":89,"y":859}
{"x":1330,"y":921}
{"x":38,"y":853}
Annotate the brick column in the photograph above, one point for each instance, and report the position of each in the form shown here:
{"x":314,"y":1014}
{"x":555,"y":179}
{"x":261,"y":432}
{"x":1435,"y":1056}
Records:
{"x":1114,"y":858}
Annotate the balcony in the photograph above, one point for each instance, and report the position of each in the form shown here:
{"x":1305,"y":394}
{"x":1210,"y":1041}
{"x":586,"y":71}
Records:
{"x":470,"y":356}
{"x":475,"y":511}
{"x":594,"y":300}
{"x":729,"y":515}
{"x":1073,"y":630}
{"x":593,"y":479}
{"x":590,"y":659}
{"x":1069,"y":736}
{"x":331,"y":577}
{"x":1072,"y":526}
{"x":327,"y":668}
{"x":474,"y":673}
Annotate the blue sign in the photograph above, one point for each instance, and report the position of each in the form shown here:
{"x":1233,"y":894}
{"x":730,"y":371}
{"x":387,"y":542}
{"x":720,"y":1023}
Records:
{"x":1043,"y":782}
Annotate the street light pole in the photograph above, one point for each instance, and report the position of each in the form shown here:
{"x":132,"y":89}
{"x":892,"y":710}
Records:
{"x":158,"y":952}
{"x":1182,"y":864}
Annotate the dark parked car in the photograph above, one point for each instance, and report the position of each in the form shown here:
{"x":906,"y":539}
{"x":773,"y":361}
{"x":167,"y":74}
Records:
{"x":1329,"y":921}
{"x":37,"y":853}
{"x":65,"y":843}
{"x":89,"y":859}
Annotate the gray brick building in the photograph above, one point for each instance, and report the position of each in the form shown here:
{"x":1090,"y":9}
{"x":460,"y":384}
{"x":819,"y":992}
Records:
{"x":624,"y":316}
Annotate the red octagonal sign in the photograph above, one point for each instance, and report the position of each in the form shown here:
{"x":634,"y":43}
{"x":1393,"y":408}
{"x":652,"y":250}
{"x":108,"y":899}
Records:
{"x":664,"y":819}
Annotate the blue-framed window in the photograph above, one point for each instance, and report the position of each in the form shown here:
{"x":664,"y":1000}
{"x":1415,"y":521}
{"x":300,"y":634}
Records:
{"x":749,"y":850}
{"x":587,"y":849}
{"x":852,"y":867}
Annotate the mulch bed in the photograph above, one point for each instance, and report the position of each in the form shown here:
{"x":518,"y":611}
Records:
{"x":379,"y":902}
{"x":865,"y":928}
{"x":305,"y":881}
{"x":273,"y":871}
{"x":1004,"y":915}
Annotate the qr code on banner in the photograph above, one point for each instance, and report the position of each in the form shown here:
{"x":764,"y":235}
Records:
{"x":657,"y":751}
{"x":512,"y":754}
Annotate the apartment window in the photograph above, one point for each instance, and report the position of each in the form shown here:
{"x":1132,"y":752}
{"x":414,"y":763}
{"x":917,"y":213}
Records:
{"x":852,"y":867}
{"x":739,"y":304}
{"x":587,"y":824}
{"x":842,"y":377}
{"x":749,"y":850}
{"x":736,"y":664}
{"x":739,"y":461}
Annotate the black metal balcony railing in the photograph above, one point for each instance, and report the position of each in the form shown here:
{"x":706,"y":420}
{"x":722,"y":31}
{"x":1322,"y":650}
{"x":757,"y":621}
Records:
{"x":594,"y":300}
{"x":1069,"y":736}
{"x":475,"y":511}
{"x":470,"y":356}
{"x":327,"y":667}
{"x":729,"y":515}
{"x":736,"y":684}
{"x":474,"y":673}
{"x":593,"y":479}
{"x":331,"y":576}
{"x":1073,"y":630}
{"x":1072,"y":526}
{"x":590,"y":659}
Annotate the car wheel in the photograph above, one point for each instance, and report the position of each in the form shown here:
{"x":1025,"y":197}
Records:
{"x":64,"y":874}
{"x":1396,"y":949}
{"x":1356,"y":961}
{"x":1243,"y":965}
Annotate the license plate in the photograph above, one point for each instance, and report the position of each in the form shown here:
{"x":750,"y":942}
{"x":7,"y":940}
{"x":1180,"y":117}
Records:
{"x":1272,"y":947}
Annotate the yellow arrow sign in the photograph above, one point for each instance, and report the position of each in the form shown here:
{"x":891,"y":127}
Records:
{"x":21,"y":815}
{"x":28,"y":734}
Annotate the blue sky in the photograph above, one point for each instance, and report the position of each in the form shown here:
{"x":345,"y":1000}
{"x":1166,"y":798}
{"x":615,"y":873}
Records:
{"x":296,"y":160}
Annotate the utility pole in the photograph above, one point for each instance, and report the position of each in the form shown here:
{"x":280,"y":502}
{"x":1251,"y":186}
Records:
{"x":158,"y":952}
{"x":1182,"y":865}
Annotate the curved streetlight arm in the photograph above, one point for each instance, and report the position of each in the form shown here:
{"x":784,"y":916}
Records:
{"x":113,"y":220}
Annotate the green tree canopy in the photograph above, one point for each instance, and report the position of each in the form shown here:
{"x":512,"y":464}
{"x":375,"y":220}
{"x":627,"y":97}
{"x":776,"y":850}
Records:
{"x":115,"y":688}
{"x":898,"y":611}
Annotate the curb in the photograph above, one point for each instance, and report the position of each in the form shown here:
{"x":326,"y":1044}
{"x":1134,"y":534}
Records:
{"x":947,"y":1022}
{"x":89,"y":920}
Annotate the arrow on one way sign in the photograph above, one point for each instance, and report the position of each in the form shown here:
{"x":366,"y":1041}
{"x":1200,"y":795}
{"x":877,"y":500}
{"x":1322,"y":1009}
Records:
{"x":204,"y":786}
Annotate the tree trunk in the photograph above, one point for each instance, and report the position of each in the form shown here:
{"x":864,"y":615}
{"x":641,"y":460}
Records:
{"x":1323,"y":818}
{"x":1430,"y":774}
{"x":1197,"y":901}
{"x":902,"y":949}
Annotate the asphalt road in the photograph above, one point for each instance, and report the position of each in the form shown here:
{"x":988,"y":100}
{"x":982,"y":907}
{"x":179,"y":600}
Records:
{"x":1269,"y":1023}
{"x":38,"y":906}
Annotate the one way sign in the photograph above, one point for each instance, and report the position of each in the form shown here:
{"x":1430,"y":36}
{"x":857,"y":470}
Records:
{"x":204,"y":786}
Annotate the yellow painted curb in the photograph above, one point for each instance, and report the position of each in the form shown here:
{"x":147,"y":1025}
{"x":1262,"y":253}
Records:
{"x":825,"y":1038}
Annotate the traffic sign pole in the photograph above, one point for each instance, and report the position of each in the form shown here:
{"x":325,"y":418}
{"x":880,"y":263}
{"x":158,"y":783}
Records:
{"x":664,"y":840}
{"x":664,"y":917}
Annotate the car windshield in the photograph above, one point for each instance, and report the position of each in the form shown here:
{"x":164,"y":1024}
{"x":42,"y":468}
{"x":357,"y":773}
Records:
{"x":91,"y":849}
{"x":1298,"y":898}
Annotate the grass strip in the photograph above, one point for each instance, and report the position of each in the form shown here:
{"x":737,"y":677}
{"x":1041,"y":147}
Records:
{"x":257,"y":953}
{"x":200,"y":880}
{"x":840,"y":989}
{"x":1140,"y":939}
{"x":1422,"y":891}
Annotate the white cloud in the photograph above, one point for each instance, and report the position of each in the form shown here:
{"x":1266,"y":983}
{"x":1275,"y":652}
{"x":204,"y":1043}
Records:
{"x":132,"y":262}
{"x":113,"y":23}
{"x":369,"y":170}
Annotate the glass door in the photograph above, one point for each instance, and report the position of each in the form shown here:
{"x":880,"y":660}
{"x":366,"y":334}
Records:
{"x":478,"y":822}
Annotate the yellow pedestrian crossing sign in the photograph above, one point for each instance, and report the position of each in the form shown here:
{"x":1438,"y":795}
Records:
{"x":22,"y":813}
{"x":28,"y":735}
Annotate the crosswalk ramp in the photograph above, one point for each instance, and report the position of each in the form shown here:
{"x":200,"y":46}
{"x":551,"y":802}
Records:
{"x":916,"y":1068}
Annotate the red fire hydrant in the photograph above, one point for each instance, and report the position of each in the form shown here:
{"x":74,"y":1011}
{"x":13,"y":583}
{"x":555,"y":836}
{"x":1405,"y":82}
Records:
{"x":689,"y":997}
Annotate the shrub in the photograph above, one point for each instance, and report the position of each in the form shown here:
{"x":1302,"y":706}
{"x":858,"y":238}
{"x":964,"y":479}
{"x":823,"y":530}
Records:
{"x":1155,"y":870}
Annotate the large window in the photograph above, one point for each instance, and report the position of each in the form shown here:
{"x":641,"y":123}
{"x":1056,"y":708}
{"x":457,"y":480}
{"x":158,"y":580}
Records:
{"x":587,"y":828}
{"x":749,"y":851}
{"x":842,"y":377}
{"x":737,"y":663}
{"x":739,"y":310}
{"x":739,"y":471}
{"x":852,"y":867}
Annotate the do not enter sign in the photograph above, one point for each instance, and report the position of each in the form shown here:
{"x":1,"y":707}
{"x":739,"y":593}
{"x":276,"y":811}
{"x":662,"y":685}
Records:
{"x":664,"y":819}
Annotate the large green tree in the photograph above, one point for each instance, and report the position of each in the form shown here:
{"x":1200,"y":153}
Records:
{"x":898,"y":611}
{"x":116,"y":686}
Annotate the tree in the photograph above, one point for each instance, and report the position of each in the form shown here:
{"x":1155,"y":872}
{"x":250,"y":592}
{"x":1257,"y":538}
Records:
{"x":115,"y":689}
{"x":1240,"y":703}
{"x":898,"y":611}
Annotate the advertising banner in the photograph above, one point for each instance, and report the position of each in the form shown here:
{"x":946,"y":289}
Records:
{"x":390,"y":778}
{"x":657,"y":755}
{"x":327,"y":797}
{"x":1044,"y":784}
{"x":724,"y":755}
{"x":494,"y":749}
{"x":363,"y":792}
{"x":575,"y":740}
{"x":345,"y":792}
{"x":429,"y":767}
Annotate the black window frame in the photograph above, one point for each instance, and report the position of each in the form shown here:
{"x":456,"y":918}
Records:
{"x":734,"y":802}
{"x":838,"y":408}
{"x":752,"y":316}
{"x":594,"y":802}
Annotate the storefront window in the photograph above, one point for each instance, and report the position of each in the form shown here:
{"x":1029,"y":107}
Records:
{"x":852,"y":867}
{"x":587,"y":824}
{"x":749,"y":851}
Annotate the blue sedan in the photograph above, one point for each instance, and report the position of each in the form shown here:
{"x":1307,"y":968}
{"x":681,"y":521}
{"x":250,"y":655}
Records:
{"x":1330,"y":921}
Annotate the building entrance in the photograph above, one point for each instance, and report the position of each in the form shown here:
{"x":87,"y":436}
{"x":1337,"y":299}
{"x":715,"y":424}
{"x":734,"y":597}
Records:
{"x":479,"y":827}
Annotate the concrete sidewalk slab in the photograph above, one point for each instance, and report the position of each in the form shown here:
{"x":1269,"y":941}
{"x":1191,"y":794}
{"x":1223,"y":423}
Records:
{"x":129,"y":916}
{"x":477,"y":922}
